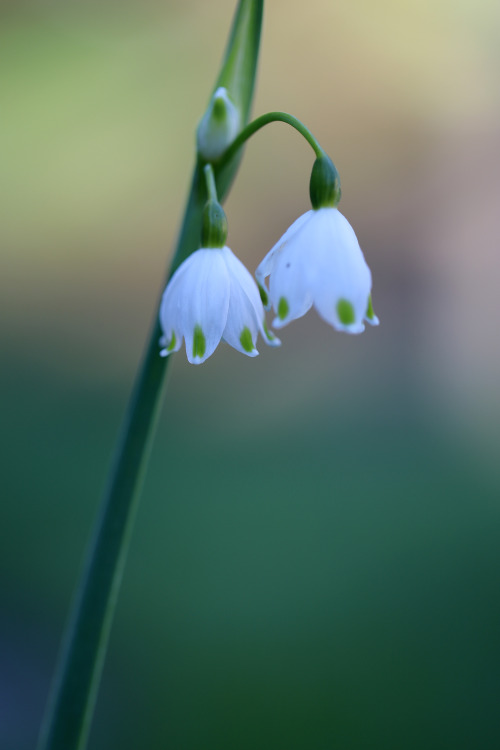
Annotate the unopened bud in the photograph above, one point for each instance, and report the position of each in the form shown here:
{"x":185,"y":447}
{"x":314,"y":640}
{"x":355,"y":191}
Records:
{"x":218,"y":127}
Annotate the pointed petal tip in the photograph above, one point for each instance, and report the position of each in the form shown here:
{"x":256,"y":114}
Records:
{"x":252,"y":353}
{"x":169,"y":344}
{"x":274,"y":341}
{"x":268,"y":336}
{"x":353,"y":329}
{"x":196,"y":360}
{"x":280,"y":323}
{"x":374,"y":321}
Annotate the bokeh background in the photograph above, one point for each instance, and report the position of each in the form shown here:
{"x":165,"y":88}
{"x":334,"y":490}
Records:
{"x":316,"y":561}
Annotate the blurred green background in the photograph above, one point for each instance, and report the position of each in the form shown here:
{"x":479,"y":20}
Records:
{"x":316,"y":561}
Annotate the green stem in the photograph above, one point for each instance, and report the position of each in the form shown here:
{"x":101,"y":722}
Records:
{"x":259,"y":123}
{"x":69,"y":712}
{"x":210,"y":182}
{"x":67,"y":721}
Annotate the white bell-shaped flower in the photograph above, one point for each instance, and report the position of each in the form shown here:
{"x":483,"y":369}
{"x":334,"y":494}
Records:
{"x":210,"y":297}
{"x":319,"y":262}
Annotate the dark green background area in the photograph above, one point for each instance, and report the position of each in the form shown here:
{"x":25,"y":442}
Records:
{"x":331,"y":581}
{"x":315,"y":562}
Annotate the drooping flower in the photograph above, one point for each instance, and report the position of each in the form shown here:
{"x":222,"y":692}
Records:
{"x":318,"y":261}
{"x":210,"y":297}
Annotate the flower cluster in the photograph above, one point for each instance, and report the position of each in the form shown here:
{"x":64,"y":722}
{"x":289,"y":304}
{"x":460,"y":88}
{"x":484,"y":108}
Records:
{"x":317,"y":262}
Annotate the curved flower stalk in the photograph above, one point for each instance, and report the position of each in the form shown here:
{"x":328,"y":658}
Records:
{"x":318,"y":261}
{"x":211,"y":297}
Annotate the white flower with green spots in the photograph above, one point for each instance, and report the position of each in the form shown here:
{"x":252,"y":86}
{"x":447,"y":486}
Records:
{"x":210,"y":297}
{"x":319,"y":262}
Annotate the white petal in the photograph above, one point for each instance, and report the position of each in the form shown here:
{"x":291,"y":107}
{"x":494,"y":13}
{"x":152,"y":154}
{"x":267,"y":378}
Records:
{"x":170,"y":344}
{"x":269,"y":337}
{"x":245,"y":313}
{"x":207,"y":304}
{"x":290,"y":287}
{"x":239,"y":272}
{"x":241,"y":327}
{"x":171,"y":307}
{"x":341,"y":273}
{"x":266,"y":265}
{"x":370,"y":316}
{"x":195,"y":303}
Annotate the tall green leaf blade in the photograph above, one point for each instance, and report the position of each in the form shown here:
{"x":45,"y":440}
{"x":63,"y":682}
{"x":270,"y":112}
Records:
{"x":237,"y":75}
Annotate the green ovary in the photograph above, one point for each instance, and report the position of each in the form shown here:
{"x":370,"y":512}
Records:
{"x":246,"y":340}
{"x":199,"y":342}
{"x":345,"y":311}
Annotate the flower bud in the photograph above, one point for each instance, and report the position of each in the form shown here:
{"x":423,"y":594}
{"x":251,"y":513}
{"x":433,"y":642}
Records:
{"x":218,"y":127}
{"x":324,"y":187}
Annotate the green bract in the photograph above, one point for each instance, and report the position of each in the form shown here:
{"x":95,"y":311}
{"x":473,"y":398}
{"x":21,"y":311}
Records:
{"x":214,"y":225}
{"x":324,"y":187}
